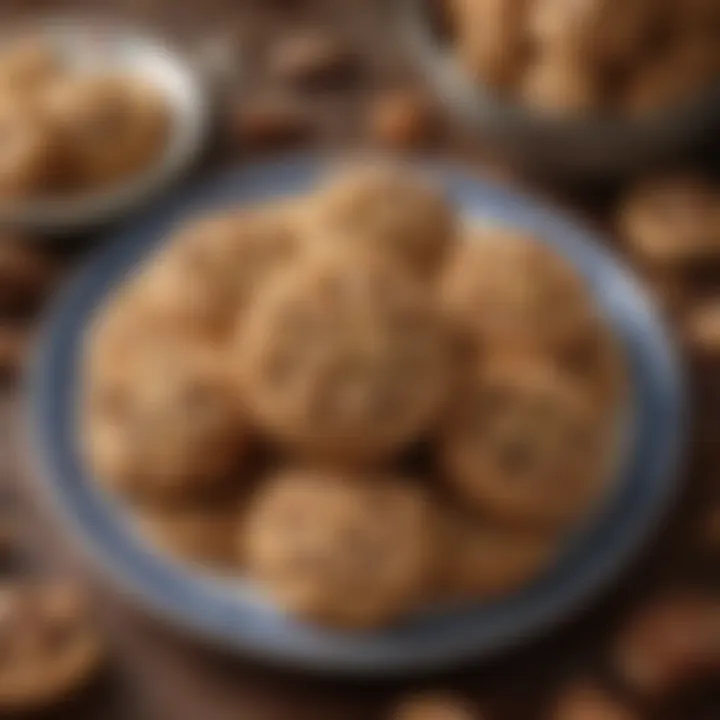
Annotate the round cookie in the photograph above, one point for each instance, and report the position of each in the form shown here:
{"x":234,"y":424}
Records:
{"x":489,"y":38}
{"x":202,"y":281}
{"x":29,"y":153}
{"x":342,"y":549}
{"x":435,"y":706}
{"x":485,"y":560}
{"x":503,"y":289}
{"x":669,"y":221}
{"x":343,"y":359}
{"x":524,"y":443}
{"x":386,"y":211}
{"x":560,"y":83}
{"x":29,"y":66}
{"x":113,"y":126}
{"x":199,"y":533}
{"x":50,"y":648}
{"x":164,"y":422}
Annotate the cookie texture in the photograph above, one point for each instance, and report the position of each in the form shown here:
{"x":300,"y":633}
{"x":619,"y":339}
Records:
{"x":348,"y":550}
{"x":386,"y":211}
{"x":523,"y":443}
{"x":344,"y":359}
{"x":164,"y":422}
{"x":50,"y":646}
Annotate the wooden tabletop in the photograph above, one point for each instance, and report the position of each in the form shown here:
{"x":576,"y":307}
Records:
{"x":154,"y":673}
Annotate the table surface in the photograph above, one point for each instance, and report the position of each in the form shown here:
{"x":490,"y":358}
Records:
{"x":157,"y":675}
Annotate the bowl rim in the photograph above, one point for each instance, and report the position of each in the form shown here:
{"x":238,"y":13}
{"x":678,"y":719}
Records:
{"x":240,"y":621}
{"x":58,"y":215}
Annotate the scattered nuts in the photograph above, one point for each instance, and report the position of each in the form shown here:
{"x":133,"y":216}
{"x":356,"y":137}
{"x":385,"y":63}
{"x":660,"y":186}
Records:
{"x":312,"y":59}
{"x":585,"y":701}
{"x":267,"y":124}
{"x":670,"y":643}
{"x":702,"y":329}
{"x":433,"y":706}
{"x":26,"y":275}
{"x":13,"y":346}
{"x":402,"y":119}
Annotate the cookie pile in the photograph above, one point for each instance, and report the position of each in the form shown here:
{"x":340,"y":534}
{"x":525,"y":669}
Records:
{"x":355,"y":400}
{"x":63,"y":129}
{"x":561,"y":56}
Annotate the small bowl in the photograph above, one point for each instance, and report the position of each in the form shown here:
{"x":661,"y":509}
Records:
{"x":108,"y":45}
{"x":592,"y":145}
{"x":232,"y":614}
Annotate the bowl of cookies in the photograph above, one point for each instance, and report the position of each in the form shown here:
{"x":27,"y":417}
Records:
{"x":588,"y":88}
{"x":95,"y":118}
{"x":361,"y":419}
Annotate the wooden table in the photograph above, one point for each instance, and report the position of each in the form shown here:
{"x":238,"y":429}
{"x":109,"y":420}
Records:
{"x":157,"y":675}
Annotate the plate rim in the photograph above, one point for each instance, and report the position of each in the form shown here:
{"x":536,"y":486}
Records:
{"x":49,"y":450}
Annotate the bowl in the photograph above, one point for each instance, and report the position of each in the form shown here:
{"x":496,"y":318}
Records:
{"x":592,"y":146}
{"x":231,"y":613}
{"x":109,"y":45}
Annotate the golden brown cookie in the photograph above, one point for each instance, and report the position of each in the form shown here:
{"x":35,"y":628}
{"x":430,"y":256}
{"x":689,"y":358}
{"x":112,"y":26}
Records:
{"x":112,"y":126}
{"x":28,"y":66}
{"x":484,"y":560}
{"x":524,"y":443}
{"x":560,"y":83}
{"x":343,"y":358}
{"x":29,"y":153}
{"x":671,"y":643}
{"x":586,"y":701}
{"x":504,"y":289}
{"x":435,"y":706}
{"x":50,"y":647}
{"x":386,"y":211}
{"x":341,"y":548}
{"x":163,"y":422}
{"x":670,"y":221}
{"x":202,"y":533}
{"x":489,"y":37}
{"x":202,"y":281}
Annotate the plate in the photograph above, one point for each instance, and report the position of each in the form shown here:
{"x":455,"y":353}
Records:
{"x":108,"y":45}
{"x":234,"y":615}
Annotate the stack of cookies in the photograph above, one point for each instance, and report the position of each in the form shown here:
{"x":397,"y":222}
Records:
{"x":355,"y":400}
{"x":66,"y":129}
{"x":562,"y":56}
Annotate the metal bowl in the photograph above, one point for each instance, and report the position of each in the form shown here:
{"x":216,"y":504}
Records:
{"x":592,"y":145}
{"x":107,"y":45}
{"x":232,"y":614}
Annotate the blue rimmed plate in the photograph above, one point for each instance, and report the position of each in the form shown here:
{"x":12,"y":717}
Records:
{"x":236,"y":617}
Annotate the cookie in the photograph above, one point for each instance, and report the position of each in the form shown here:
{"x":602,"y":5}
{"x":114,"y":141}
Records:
{"x":435,"y":706}
{"x":112,"y":126}
{"x":672,"y":221}
{"x":559,"y":83}
{"x":386,"y":211}
{"x":343,"y":359}
{"x":164,"y":422}
{"x":670,"y":644}
{"x":489,"y":37}
{"x":586,"y":701}
{"x":50,"y":648}
{"x":201,"y":533}
{"x":28,"y":66}
{"x":503,"y":289}
{"x":600,"y":30}
{"x":203,"y":280}
{"x":484,"y":560}
{"x":340,"y":548}
{"x":524,"y":443}
{"x":30,"y":153}
{"x":701,"y":329}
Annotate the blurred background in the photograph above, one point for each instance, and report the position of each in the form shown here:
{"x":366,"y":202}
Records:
{"x":349,"y":75}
